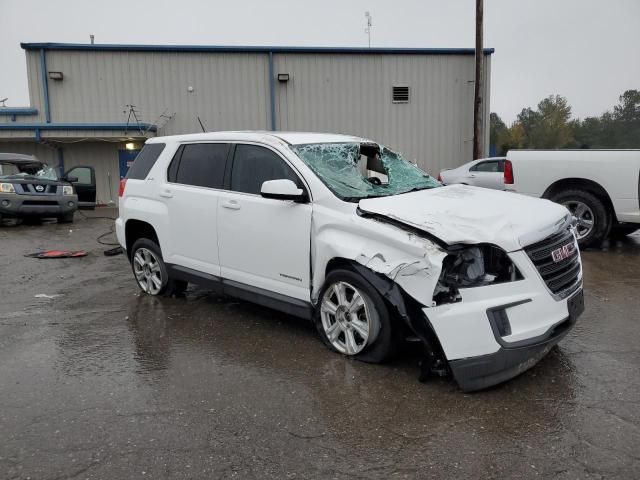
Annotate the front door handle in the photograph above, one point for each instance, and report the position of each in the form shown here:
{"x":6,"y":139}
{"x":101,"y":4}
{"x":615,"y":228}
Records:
{"x":166,"y":194}
{"x":231,"y":205}
{"x":472,"y":176}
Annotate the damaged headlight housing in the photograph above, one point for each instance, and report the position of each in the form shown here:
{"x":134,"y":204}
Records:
{"x":67,"y":190}
{"x":7,"y":188}
{"x":476,"y":266}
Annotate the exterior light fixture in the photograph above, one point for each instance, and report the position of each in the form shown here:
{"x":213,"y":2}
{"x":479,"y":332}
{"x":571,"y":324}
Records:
{"x":283,"y":77}
{"x":130,"y":146}
{"x":55,"y":76}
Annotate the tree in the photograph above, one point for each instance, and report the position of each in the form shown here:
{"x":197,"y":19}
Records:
{"x":550,"y":126}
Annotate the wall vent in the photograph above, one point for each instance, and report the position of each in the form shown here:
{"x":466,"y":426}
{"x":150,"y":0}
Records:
{"x":400,"y":94}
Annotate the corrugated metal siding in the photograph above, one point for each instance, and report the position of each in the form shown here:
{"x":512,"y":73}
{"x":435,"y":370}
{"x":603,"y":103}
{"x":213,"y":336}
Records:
{"x":102,"y":156}
{"x":352,"y":94}
{"x":229,"y":91}
{"x":35,"y":91}
{"x":43,"y":152}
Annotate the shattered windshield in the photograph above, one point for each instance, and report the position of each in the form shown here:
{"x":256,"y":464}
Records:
{"x":31,"y":170}
{"x":354,"y":171}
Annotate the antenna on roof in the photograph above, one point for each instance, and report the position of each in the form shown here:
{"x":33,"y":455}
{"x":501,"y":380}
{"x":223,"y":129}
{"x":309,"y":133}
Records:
{"x":201,"y":125}
{"x":3,"y":101}
{"x":367,"y":29}
{"x":92,"y":38}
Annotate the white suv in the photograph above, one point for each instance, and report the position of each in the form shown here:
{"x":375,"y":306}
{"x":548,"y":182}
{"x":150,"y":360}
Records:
{"x":344,"y":231}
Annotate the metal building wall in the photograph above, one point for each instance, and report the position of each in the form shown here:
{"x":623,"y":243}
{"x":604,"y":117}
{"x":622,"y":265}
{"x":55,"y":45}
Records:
{"x":352,"y":94}
{"x":230,"y":91}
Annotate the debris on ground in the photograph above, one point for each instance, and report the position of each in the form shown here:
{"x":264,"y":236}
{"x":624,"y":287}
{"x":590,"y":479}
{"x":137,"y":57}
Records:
{"x":57,"y":254}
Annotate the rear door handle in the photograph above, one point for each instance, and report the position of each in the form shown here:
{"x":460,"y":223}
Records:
{"x":166,"y":194}
{"x":231,"y":205}
{"x":472,"y":176}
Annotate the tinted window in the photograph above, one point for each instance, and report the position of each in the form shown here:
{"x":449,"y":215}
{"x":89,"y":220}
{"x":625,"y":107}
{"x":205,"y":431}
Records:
{"x":83,"y":174}
{"x":145,"y":160}
{"x":201,"y":165}
{"x":492,"y":167}
{"x":252,"y":166}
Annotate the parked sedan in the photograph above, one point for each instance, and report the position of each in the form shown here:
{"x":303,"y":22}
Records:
{"x":485,"y":172}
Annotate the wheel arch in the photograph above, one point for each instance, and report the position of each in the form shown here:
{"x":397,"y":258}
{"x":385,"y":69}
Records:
{"x":406,"y":310}
{"x":135,"y":229}
{"x":581,"y":184}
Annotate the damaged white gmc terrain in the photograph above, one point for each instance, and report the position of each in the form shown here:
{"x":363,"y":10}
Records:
{"x":344,"y":231}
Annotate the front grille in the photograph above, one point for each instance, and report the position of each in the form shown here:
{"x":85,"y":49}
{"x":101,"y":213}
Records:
{"x":562,"y":277}
{"x":32,"y":189}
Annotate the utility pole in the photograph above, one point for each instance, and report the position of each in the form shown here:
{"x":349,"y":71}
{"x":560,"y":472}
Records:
{"x":477,"y":99}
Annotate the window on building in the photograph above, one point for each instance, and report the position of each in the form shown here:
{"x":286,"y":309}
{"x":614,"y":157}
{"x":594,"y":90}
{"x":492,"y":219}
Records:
{"x":199,"y":164}
{"x":253,"y":165}
{"x":145,"y":161}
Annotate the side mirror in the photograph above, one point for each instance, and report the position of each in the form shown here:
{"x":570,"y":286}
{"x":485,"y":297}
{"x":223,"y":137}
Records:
{"x":70,"y":179}
{"x":283,"y":190}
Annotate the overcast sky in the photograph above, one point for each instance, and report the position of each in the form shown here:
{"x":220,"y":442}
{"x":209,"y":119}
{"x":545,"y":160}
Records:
{"x":586,"y":50}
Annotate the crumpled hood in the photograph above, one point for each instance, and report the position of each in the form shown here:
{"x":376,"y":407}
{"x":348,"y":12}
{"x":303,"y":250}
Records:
{"x":464,"y":214}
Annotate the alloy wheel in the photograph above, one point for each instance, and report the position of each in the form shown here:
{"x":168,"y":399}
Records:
{"x":583,"y":214}
{"x":348,"y":317}
{"x":146,"y":268}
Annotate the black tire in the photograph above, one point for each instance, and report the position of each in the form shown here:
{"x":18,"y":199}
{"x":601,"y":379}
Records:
{"x":602,"y":218}
{"x":168,"y":286}
{"x":385,"y":344}
{"x":621,"y":231}
{"x":66,"y":218}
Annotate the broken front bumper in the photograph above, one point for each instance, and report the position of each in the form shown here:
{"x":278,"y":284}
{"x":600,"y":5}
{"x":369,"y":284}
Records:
{"x":499,"y":331}
{"x":508,"y":362}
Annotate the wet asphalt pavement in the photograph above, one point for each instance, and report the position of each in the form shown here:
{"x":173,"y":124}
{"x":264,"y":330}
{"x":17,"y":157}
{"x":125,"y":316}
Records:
{"x":102,"y":382}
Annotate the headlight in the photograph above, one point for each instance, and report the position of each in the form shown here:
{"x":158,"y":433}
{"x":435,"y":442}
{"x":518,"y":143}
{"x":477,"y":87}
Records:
{"x":67,"y":190}
{"x":473,"y":267}
{"x":7,"y":188}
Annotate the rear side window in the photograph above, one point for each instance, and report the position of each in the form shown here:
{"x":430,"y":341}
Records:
{"x":145,"y":160}
{"x":199,"y":164}
{"x":491,"y":167}
{"x":253,"y":165}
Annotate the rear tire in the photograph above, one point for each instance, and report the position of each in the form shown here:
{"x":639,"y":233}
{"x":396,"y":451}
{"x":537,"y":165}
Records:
{"x":150,"y":271}
{"x":343,"y":329}
{"x":587,"y":207}
{"x":66,"y":218}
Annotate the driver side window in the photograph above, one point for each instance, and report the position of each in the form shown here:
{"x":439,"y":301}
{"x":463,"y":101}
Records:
{"x":254,"y":165}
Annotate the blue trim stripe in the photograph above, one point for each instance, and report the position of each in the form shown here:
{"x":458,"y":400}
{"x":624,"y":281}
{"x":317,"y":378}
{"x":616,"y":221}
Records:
{"x":78,"y":126}
{"x":45,"y":84}
{"x":250,"y":49}
{"x":18,"y":111}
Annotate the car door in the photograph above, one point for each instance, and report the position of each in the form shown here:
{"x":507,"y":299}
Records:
{"x":263,"y":243}
{"x":488,"y":174}
{"x":191,"y":192}
{"x":85,"y":185}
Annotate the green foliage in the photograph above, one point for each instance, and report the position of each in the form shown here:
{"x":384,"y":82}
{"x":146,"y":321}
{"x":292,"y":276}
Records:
{"x":550,"y":126}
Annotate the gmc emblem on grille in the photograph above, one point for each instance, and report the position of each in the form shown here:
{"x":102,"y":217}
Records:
{"x":563,"y":252}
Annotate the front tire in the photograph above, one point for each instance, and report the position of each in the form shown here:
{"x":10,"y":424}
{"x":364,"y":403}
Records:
{"x":353,"y":319}
{"x":150,"y":270}
{"x":593,"y":218}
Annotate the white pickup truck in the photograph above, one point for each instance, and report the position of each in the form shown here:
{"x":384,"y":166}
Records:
{"x":601,"y":188}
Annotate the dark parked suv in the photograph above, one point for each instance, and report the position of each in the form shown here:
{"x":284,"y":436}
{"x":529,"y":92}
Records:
{"x":31,"y":188}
